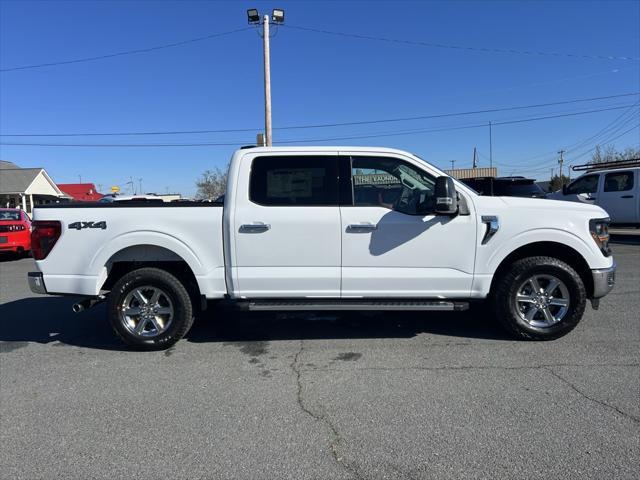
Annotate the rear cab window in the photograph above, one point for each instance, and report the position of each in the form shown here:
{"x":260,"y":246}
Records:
{"x":10,"y":215}
{"x":289,"y":181}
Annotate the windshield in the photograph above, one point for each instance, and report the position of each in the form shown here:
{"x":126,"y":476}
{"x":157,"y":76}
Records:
{"x":457,"y":181}
{"x":8,"y":215}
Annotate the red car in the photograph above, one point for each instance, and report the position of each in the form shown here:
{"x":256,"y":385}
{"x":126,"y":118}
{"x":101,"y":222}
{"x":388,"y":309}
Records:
{"x":15,"y":231}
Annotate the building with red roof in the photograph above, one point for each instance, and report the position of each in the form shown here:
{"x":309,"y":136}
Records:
{"x":83,"y":192}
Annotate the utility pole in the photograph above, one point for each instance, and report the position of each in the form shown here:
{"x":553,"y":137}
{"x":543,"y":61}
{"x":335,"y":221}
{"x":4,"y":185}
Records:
{"x":267,"y":79}
{"x":475,"y":158}
{"x":490,"y":147}
{"x":277,"y":18}
{"x":453,"y":163}
{"x":560,"y":162}
{"x":80,"y":178}
{"x":140,"y":184}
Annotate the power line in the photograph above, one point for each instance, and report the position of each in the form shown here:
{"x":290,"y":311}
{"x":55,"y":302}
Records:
{"x":619,"y":121}
{"x":460,"y":47}
{"x":326,"y":125}
{"x":445,"y":129}
{"x":128,"y":52}
{"x":574,"y":146}
{"x":586,"y":152}
{"x":354,"y":137}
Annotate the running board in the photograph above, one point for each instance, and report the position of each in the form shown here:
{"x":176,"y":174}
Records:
{"x":306,"y":305}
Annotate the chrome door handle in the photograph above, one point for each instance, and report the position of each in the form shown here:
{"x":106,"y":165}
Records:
{"x":255,"y":227}
{"x":361,"y":227}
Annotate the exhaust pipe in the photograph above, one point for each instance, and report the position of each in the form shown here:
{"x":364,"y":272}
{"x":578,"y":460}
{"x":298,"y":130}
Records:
{"x":87,"y":303}
{"x":81,"y":306}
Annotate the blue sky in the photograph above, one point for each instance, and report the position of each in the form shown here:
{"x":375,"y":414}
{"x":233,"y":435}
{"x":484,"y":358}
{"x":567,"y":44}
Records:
{"x":317,"y":78}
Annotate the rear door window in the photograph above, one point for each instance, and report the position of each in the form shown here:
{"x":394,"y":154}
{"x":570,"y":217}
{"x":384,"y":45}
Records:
{"x":618,"y":181}
{"x":288,"y":181}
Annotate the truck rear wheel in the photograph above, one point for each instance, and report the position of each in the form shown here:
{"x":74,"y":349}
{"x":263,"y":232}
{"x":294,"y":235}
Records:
{"x":150,"y":309}
{"x":539,"y":298}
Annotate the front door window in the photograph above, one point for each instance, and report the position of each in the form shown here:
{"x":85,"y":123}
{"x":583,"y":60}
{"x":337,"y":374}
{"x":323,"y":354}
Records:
{"x":393,"y":184}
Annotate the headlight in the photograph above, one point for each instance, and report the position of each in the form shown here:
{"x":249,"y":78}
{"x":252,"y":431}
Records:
{"x":599,"y":229}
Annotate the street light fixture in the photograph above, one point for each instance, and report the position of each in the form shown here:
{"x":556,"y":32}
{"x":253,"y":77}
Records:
{"x":277,"y":16}
{"x":253,"y":16}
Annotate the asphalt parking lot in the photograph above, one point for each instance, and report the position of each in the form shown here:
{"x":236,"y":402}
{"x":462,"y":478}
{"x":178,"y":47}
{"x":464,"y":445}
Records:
{"x":378,"y":396}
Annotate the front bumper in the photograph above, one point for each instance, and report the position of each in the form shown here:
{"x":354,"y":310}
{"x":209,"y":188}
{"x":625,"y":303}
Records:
{"x":36,"y":282}
{"x":603,"y":280}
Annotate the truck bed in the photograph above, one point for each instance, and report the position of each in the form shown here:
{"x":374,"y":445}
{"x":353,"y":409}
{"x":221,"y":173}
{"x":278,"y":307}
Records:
{"x":95,"y":236}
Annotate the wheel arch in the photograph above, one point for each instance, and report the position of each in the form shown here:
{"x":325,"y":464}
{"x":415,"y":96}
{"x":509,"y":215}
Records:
{"x":148,"y":255}
{"x":557,"y":250}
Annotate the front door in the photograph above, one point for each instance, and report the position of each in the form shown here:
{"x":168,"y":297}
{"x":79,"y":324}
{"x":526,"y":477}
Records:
{"x":286,"y":238}
{"x":583,"y":189}
{"x":393,"y":245}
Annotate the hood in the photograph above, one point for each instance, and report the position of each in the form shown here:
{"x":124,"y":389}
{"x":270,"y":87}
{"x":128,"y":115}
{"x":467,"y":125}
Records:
{"x":554,"y":205}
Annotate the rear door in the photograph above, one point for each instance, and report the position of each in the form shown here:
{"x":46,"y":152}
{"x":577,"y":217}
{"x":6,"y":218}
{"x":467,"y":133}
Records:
{"x":392,"y":243}
{"x":619,"y":196}
{"x":286,"y":227}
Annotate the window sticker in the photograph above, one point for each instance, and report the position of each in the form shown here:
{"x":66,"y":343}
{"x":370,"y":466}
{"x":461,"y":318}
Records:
{"x":289,"y":182}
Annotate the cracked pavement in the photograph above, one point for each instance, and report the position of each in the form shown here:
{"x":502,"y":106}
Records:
{"x":345,"y":395}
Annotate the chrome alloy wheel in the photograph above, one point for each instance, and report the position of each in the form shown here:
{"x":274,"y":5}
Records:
{"x":542,"y":300}
{"x":146,"y":311}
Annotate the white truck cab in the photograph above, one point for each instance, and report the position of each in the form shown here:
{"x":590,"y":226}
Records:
{"x":327,"y":228}
{"x":614,"y":186}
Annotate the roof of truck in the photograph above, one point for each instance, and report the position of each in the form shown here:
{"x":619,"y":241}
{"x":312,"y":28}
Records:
{"x":322,"y":148}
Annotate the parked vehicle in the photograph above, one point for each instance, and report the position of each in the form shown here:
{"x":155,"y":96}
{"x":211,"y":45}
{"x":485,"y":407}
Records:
{"x":614,"y":186}
{"x":15,"y":231}
{"x":128,"y":198}
{"x":505,"y":186}
{"x":327,"y":228}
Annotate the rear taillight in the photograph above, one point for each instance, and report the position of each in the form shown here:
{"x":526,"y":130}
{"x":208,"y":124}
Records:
{"x":44,"y":235}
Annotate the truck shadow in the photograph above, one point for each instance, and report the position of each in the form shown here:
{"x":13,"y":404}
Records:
{"x":246,"y":327}
{"x":50,"y":320}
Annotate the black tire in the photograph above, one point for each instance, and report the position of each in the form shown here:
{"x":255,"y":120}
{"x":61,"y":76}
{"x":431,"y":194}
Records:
{"x":506,"y":288}
{"x":175,"y":297}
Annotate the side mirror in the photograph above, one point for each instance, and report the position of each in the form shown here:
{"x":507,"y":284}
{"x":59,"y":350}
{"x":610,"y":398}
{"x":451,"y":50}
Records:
{"x":564,"y":189}
{"x":446,"y":196}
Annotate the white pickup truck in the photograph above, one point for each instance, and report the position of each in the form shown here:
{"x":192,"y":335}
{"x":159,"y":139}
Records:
{"x":327,"y":228}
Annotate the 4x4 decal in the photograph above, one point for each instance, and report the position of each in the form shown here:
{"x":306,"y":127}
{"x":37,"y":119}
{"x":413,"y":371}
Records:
{"x":83,"y":225}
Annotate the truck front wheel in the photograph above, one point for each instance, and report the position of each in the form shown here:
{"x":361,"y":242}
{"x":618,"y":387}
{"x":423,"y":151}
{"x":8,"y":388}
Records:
{"x":150,"y":309}
{"x":539,"y":298}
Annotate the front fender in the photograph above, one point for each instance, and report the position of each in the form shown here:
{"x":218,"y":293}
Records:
{"x":589,"y":252}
